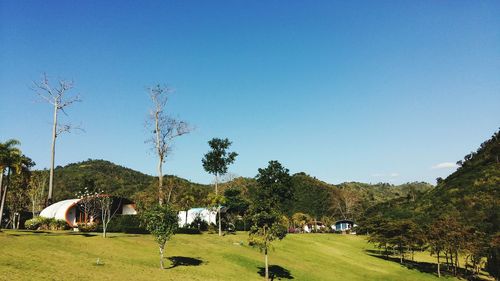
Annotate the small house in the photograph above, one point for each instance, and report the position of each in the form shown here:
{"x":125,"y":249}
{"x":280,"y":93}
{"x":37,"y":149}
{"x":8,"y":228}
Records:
{"x":344,"y":226}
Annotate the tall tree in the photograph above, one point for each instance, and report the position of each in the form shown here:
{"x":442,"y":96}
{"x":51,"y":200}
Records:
{"x":36,"y":190}
{"x":266,"y":212}
{"x":10,"y":158}
{"x":165,"y":129}
{"x":216,"y":162}
{"x":13,"y":161}
{"x":7,"y":150}
{"x":345,"y":202}
{"x":57,"y":97}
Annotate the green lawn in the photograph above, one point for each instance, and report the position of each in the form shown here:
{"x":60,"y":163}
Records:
{"x":56,"y":255}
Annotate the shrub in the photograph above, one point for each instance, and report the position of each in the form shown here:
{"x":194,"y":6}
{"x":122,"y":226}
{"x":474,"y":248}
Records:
{"x":41,"y":223}
{"x":199,"y":223}
{"x":87,"y":227}
{"x":126,"y":224}
{"x":58,"y":224}
{"x":33,"y":224}
{"x":186,"y":230}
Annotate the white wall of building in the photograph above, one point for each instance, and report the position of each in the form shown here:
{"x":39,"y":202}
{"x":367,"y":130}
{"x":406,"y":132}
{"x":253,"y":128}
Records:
{"x":208,"y":215}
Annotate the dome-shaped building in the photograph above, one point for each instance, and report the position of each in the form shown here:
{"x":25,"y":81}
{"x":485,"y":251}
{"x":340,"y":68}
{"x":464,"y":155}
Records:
{"x":72,"y":211}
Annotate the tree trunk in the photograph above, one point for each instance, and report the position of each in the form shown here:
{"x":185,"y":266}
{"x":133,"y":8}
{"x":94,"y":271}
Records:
{"x":33,"y":206}
{"x":53,"y":154}
{"x":186,"y":222}
{"x":266,"y":264}
{"x":3,"y":197}
{"x":218,"y":207}
{"x":162,"y":266}
{"x":160,"y":181}
{"x":1,"y":182}
{"x":439,"y":265}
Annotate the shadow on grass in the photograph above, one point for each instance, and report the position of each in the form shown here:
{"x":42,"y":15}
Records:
{"x":275,"y":271}
{"x":51,"y":233}
{"x":184,"y":261}
{"x":425,"y":267}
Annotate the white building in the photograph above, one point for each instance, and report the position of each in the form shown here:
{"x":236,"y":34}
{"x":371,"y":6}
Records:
{"x":206,"y":214}
{"x":70,"y":211}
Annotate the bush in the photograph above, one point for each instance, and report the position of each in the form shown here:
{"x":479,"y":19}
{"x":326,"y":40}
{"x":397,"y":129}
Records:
{"x":58,"y":224}
{"x":41,"y":223}
{"x":126,"y":224}
{"x":33,"y":224}
{"x":199,"y":223}
{"x":186,"y":230}
{"x":87,"y":227}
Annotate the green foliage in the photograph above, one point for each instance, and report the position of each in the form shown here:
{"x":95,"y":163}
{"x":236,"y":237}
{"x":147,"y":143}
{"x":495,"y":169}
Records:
{"x":217,"y":160}
{"x":199,"y":224}
{"x":267,"y":226}
{"x":187,"y":230}
{"x":266,"y":211}
{"x":98,"y":175}
{"x":32,"y":224}
{"x":274,"y":188}
{"x":126,"y":224}
{"x":42,"y":223}
{"x":88,"y":227}
{"x":161,"y":221}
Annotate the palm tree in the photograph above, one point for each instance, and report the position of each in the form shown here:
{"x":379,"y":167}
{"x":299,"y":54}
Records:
{"x":11,"y":158}
{"x":6,"y":150}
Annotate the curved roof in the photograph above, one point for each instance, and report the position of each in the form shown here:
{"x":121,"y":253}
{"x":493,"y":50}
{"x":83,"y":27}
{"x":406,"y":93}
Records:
{"x":58,"y":210}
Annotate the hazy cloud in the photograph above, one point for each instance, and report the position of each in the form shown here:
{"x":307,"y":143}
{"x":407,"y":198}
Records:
{"x":445,"y":165}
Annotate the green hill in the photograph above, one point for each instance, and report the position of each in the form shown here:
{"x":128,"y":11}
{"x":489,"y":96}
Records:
{"x":473,"y":191}
{"x":312,"y":196}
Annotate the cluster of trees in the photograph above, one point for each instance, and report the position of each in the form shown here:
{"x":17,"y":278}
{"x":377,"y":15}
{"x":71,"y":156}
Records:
{"x":16,"y":189}
{"x":458,"y":218}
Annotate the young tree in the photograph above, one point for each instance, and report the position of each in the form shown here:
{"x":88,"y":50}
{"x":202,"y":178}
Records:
{"x":88,"y":205}
{"x":57,"y":97}
{"x":165,"y":129}
{"x":216,"y":162}
{"x":266,"y":212}
{"x":105,"y":206}
{"x":161,"y":221}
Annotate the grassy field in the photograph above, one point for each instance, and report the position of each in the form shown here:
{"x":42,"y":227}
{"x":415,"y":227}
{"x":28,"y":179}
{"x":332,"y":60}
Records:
{"x":56,"y":255}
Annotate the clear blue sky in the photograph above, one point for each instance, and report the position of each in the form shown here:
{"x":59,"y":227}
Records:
{"x":343,"y":90}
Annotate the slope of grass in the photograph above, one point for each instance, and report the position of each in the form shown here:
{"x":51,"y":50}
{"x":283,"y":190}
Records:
{"x":72,"y":256}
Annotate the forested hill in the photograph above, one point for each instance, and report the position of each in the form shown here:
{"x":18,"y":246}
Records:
{"x":312,"y":196}
{"x":473,"y":191}
{"x":99,"y":175}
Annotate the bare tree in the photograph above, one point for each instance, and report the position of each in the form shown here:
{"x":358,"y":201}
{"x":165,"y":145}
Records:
{"x":165,"y":129}
{"x":88,"y":205}
{"x":58,"y":98}
{"x":345,"y":202}
{"x":105,"y":204}
{"x":36,"y":190}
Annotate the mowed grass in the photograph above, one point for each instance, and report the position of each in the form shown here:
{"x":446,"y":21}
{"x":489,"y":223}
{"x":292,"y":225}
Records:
{"x":56,"y":255}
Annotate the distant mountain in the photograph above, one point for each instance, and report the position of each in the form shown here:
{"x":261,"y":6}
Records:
{"x":106,"y":176}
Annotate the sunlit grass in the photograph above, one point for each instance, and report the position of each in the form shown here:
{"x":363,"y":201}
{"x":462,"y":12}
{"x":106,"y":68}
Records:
{"x":55,"y":255}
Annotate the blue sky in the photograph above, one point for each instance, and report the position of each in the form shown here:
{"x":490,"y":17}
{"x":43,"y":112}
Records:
{"x":343,"y":90}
